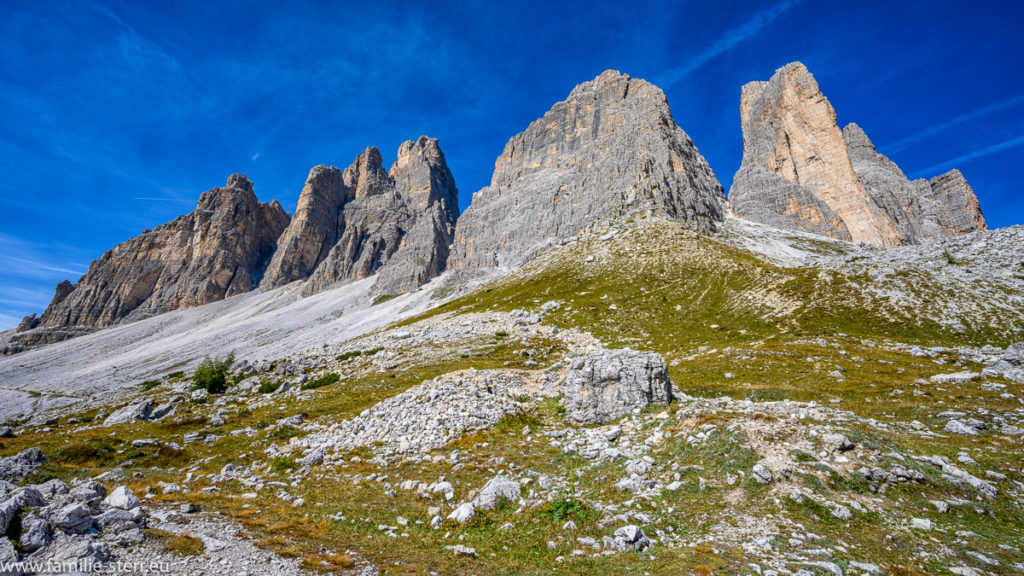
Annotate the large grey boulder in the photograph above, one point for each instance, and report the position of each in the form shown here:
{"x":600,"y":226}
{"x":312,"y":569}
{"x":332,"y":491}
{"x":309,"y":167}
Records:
{"x":137,"y":411}
{"x":16,"y":468}
{"x":122,"y":497}
{"x":36,"y":533}
{"x":610,"y":151}
{"x":72,"y":549}
{"x":497,"y":489}
{"x":8,"y":559}
{"x":607,"y":384}
{"x":73,"y":518}
{"x":631,"y":538}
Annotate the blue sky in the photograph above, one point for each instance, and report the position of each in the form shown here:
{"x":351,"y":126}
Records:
{"x":116,"y":116}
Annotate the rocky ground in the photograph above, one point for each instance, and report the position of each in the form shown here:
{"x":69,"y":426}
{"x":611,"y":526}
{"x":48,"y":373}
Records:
{"x":508,"y":431}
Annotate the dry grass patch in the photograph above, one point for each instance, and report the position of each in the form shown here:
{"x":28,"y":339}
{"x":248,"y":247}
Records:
{"x":180,"y":544}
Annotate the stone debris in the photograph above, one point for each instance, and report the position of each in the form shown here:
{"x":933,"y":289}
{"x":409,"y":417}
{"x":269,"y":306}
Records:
{"x":429,"y":415}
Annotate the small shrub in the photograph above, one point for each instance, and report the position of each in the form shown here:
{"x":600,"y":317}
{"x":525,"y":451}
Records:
{"x":285,"y":432}
{"x":282,"y":464}
{"x":515,"y":422}
{"x":149,"y":385}
{"x":325,"y":380}
{"x":212,"y":375}
{"x":383,"y":298}
{"x":269,"y":386}
{"x":373,"y":351}
{"x":174,"y":376}
{"x":562,"y":509}
{"x":500,"y":334}
{"x":86,"y":452}
{"x":350,"y":354}
{"x":950,"y":259}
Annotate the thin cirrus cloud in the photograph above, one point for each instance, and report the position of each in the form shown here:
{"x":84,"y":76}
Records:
{"x":963,"y":159}
{"x":903,"y":143}
{"x":727,"y":42}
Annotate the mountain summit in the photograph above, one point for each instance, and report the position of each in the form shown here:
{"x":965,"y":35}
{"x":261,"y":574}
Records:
{"x":801,"y":172}
{"x":368,"y":220}
{"x":611,"y":150}
{"x":216,"y":251}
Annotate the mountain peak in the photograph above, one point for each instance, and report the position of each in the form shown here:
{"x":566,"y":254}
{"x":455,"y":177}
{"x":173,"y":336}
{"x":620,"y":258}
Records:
{"x":799,"y":171}
{"x":610,"y":150}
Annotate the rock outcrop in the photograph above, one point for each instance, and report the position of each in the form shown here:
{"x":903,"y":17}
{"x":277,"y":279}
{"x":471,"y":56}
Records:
{"x":214,"y":252}
{"x":801,"y":172}
{"x":611,"y":150}
{"x":348,"y":225}
{"x":605,"y":385}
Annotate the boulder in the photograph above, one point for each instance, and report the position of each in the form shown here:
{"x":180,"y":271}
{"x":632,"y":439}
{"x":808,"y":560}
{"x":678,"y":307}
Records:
{"x":631,"y":538}
{"x":762,"y":474}
{"x":607,"y":384}
{"x":73,"y":518}
{"x":8,"y":559}
{"x":137,"y":411}
{"x":122,"y":497}
{"x":16,"y":468}
{"x":36,"y":533}
{"x":464,"y":513}
{"x":497,"y":489}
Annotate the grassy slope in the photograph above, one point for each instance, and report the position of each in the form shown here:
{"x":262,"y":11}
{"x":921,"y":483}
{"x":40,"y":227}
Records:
{"x":661,"y":290}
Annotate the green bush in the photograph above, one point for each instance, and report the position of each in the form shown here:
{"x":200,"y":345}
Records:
{"x":325,"y":380}
{"x":282,"y":464}
{"x":268,"y":386}
{"x":564,"y":508}
{"x":285,"y":432}
{"x":383,"y":298}
{"x":212,"y":375}
{"x":347,"y":355}
{"x":149,"y":385}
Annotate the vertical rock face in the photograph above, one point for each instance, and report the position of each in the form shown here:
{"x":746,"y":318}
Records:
{"x":952,"y":207}
{"x":313,"y":229}
{"x":610,"y":150}
{"x":216,"y":251}
{"x":790,"y":137}
{"x":799,"y":171}
{"x":366,"y":220}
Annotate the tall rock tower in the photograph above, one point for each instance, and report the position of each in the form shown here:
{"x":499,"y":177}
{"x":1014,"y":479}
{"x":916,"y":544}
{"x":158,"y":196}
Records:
{"x":610,"y":150}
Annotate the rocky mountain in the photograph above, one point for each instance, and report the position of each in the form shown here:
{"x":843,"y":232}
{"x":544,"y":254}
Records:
{"x":366,"y":220}
{"x":801,"y":172}
{"x":218,"y":250}
{"x":656,"y":387}
{"x":611,"y":150}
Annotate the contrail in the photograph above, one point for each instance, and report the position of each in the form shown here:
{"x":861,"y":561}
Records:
{"x":730,"y":40}
{"x":909,"y":140}
{"x":969,"y":156}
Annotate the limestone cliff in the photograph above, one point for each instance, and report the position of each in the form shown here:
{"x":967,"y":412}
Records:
{"x":611,"y":150}
{"x":366,"y":220}
{"x":216,"y":251}
{"x":799,"y":171}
